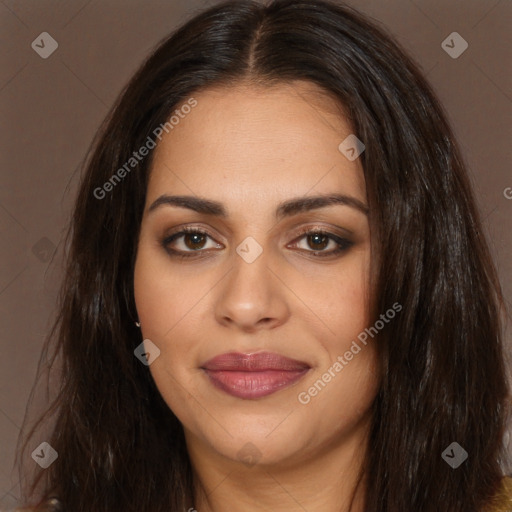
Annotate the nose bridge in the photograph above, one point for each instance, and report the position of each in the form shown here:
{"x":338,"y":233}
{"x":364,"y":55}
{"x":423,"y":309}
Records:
{"x":250,"y":292}
{"x":249,"y":281}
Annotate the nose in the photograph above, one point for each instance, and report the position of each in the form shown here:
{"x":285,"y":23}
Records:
{"x":251,"y":297}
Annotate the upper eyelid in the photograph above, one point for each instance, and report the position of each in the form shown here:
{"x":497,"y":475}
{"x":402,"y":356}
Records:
{"x":298,"y":232}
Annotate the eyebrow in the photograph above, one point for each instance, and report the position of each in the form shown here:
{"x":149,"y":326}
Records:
{"x":285,"y":209}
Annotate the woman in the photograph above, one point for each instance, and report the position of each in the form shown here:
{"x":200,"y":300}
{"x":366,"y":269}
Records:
{"x":278,"y":296}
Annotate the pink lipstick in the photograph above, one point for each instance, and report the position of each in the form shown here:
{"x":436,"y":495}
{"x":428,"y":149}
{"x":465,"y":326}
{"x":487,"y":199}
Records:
{"x":251,"y":376}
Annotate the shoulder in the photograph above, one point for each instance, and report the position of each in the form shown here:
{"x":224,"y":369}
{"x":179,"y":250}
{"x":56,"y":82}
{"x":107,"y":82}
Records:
{"x":50,"y":505}
{"x":503,"y":501}
{"x":18,"y":510}
{"x":23,"y":509}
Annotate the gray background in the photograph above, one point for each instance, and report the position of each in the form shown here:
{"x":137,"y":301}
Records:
{"x":52,"y":107}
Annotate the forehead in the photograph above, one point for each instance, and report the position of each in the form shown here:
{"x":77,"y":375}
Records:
{"x":245,"y":142}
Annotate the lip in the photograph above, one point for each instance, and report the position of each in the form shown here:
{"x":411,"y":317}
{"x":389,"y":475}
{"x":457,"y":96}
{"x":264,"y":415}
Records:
{"x":250,"y":376}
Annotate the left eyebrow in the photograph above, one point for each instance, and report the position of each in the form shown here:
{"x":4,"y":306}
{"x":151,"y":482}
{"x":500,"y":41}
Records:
{"x":285,"y":209}
{"x":302,"y":204}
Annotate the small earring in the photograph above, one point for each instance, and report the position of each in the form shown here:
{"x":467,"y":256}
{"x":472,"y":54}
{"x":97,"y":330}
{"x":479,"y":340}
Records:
{"x":137,"y":324}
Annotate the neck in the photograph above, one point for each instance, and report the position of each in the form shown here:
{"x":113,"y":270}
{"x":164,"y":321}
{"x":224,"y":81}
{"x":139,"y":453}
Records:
{"x":329,"y":480}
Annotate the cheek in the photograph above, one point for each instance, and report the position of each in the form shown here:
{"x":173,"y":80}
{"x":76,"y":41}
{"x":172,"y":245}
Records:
{"x":349,"y":310}
{"x":349,"y":371}
{"x":340,"y":300}
{"x":349,"y":320}
{"x":161,"y":296}
{"x":165,"y":309}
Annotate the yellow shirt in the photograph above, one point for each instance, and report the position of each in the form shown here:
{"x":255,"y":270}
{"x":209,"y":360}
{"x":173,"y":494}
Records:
{"x":504,"y":498}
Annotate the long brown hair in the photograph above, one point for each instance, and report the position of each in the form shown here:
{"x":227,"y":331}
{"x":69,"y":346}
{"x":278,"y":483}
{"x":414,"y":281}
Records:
{"x":120,"y":447}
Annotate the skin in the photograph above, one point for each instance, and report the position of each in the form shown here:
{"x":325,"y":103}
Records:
{"x":251,"y":148}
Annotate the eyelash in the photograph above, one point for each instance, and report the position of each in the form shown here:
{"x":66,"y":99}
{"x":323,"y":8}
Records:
{"x":343,"y":243}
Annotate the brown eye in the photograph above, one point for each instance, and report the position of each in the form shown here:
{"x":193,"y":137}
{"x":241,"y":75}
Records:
{"x":318,"y":241}
{"x":187,"y":242}
{"x":194,"y":240}
{"x":191,"y":242}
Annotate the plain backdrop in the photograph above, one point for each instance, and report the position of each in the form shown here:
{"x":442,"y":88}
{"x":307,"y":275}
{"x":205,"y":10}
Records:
{"x":51,"y":108}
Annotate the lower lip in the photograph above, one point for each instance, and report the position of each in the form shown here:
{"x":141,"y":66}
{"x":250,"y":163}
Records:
{"x":256,"y":384}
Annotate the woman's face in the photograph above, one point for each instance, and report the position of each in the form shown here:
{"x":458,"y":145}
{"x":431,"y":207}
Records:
{"x":251,"y":314}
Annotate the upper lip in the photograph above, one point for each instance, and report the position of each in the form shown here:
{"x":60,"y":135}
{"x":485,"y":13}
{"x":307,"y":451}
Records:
{"x":260,"y":361}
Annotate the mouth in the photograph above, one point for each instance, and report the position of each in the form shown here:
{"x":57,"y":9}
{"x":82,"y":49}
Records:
{"x":251,"y":376}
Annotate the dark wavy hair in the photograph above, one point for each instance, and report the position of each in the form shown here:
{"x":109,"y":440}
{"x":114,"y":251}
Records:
{"x":443,"y":364}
